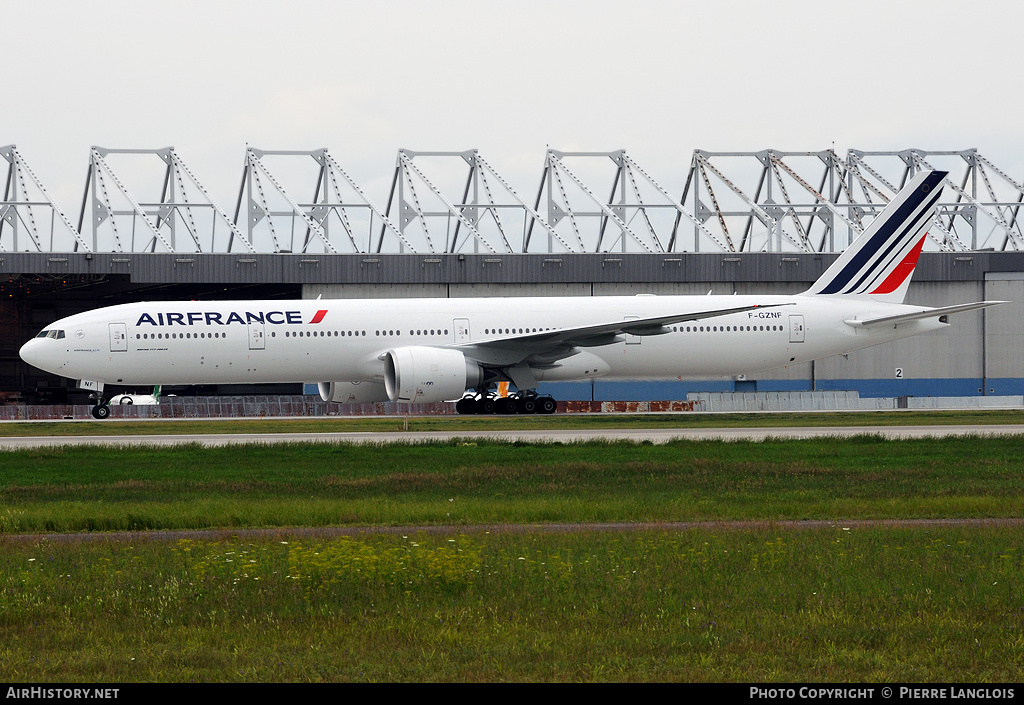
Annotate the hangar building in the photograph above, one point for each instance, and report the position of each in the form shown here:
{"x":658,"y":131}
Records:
{"x":761,"y":222}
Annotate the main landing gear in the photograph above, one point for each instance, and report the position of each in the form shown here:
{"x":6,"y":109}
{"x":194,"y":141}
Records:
{"x":522,"y":403}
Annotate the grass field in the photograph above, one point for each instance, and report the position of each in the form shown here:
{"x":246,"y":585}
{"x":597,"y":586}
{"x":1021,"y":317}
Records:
{"x":765,"y":606}
{"x":861,"y":603}
{"x":94,"y":488}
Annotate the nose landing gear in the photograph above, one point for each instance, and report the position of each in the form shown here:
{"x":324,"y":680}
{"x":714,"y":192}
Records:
{"x":101,"y":410}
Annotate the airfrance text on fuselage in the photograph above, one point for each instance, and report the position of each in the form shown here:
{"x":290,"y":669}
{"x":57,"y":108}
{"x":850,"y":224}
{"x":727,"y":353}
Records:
{"x":216,"y":318}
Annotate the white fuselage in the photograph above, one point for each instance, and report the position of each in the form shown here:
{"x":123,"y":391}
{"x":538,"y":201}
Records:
{"x":224,"y":342}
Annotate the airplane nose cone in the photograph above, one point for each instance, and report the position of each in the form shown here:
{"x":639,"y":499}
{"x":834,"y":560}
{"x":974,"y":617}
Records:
{"x":32,"y":352}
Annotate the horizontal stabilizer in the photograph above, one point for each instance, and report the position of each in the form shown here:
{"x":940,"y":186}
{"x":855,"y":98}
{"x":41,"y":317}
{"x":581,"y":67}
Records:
{"x":917,"y":315}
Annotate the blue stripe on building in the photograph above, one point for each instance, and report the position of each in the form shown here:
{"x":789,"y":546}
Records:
{"x":598,"y":390}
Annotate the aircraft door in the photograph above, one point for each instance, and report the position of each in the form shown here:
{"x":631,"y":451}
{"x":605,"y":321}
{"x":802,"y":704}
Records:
{"x":461,"y":328}
{"x":796,"y":329}
{"x":118,"y":337}
{"x":256,"y":335}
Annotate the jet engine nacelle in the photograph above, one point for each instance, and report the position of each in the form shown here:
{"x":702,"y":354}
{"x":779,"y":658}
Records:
{"x":352,"y":392}
{"x":424,"y":375}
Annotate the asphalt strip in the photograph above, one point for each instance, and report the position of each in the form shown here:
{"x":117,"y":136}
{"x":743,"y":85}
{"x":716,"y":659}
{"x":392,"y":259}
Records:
{"x":531,"y":436}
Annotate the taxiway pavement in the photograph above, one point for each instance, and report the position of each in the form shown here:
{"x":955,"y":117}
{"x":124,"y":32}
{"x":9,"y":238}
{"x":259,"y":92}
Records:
{"x":534,"y":436}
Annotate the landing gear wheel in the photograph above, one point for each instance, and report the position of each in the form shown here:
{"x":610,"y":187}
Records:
{"x":507,"y":405}
{"x":485,"y":405}
{"x":527,"y":405}
{"x":100,"y":411}
{"x":546,"y":405}
{"x":466,"y":405}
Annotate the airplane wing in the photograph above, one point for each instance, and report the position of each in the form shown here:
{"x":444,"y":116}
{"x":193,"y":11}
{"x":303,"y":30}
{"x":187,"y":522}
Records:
{"x":917,"y":315}
{"x":549,"y":346}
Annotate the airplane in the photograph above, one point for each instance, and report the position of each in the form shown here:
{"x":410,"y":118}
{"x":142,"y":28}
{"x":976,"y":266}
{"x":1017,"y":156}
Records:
{"x":140,"y":399}
{"x":433,"y":350}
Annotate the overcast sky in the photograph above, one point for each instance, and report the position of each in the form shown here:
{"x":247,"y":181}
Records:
{"x":658,"y":78}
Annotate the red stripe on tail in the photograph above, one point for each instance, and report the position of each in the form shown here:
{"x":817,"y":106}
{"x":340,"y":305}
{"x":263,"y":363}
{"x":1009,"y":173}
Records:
{"x":903,"y":270}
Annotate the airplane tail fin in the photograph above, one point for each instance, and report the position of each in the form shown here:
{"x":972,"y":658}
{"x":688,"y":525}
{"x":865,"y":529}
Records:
{"x":879,"y":264}
{"x":156,"y":392}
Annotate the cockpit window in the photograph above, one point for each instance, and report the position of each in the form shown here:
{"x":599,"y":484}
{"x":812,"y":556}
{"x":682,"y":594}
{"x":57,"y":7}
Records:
{"x":55,"y":334}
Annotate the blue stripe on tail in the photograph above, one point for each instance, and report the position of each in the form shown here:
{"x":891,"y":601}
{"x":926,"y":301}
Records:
{"x":927,"y":193}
